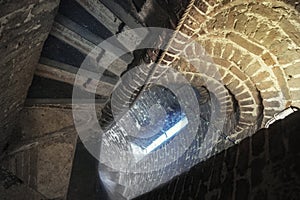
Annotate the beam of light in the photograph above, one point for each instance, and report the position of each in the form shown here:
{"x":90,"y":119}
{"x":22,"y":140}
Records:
{"x":168,"y":135}
{"x":177,"y":127}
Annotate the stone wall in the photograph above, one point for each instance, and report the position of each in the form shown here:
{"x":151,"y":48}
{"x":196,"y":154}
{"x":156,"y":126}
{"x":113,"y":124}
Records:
{"x":247,"y":56}
{"x":24,"y":26}
{"x":264,"y":166}
{"x":12,"y":188}
{"x":43,"y":157}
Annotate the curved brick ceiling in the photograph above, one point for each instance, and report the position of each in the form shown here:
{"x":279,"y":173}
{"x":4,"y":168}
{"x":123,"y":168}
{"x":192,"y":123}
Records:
{"x":255,"y":51}
{"x":254,"y":48}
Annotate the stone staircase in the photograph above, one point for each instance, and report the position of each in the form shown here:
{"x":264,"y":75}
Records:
{"x":43,"y":153}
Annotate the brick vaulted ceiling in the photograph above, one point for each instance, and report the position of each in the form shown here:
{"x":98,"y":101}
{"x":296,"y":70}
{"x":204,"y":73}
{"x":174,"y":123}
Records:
{"x":253,"y":49}
{"x":251,"y":52}
{"x":246,"y":53}
{"x":253,"y":46}
{"x":255,"y":52}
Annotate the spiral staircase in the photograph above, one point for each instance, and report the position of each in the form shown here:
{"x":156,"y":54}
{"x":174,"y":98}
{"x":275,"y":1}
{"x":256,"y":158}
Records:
{"x":251,"y":75}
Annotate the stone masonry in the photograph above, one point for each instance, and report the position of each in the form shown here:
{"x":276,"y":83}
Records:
{"x":43,"y":157}
{"x":264,"y":166}
{"x":24,"y":26}
{"x":254,"y":52}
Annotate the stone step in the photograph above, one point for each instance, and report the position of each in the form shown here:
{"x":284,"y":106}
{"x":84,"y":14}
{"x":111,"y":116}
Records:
{"x":87,"y":80}
{"x":86,"y":42}
{"x":121,"y":13}
{"x":42,"y":157}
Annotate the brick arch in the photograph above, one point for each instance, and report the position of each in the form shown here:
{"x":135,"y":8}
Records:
{"x":231,"y":78}
{"x":265,"y":55}
{"x":235,"y":83}
{"x":221,"y":105}
{"x":284,"y":24}
{"x":258,"y":77}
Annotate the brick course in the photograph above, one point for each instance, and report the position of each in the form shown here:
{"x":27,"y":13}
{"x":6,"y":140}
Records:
{"x":252,"y":42}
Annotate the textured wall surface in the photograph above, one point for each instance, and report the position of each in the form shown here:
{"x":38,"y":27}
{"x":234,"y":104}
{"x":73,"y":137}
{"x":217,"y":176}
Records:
{"x":264,"y":166}
{"x":24,"y":26}
{"x":11,"y":187}
{"x":254,"y":50}
{"x":254,"y":46}
{"x":247,"y":56}
{"x":43,"y":157}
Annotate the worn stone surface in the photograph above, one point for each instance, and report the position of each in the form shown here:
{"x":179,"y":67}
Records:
{"x":43,"y":157}
{"x":39,"y":120}
{"x":12,"y":187}
{"x":24,"y":27}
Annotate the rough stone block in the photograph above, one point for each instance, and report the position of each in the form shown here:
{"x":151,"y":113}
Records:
{"x":228,"y":51}
{"x":269,"y":94}
{"x":263,"y":10}
{"x":285,"y":57}
{"x":227,"y":187}
{"x":295,"y":94}
{"x":233,"y":85}
{"x":238,"y":90}
{"x":236,"y":58}
{"x":191,"y":24}
{"x":244,"y":95}
{"x":246,"y":108}
{"x":218,"y":47}
{"x":270,"y":104}
{"x":261,"y":32}
{"x":251,"y":26}
{"x":278,"y":46}
{"x":281,"y":79}
{"x":243,"y":156}
{"x":260,"y":77}
{"x":215,"y":180}
{"x":240,"y":19}
{"x":222,"y":62}
{"x":186,"y":30}
{"x":290,"y":29}
{"x":258,"y":143}
{"x":276,"y":145}
{"x":257,"y":167}
{"x":242,"y":189}
{"x":294,"y":83}
{"x":220,"y":21}
{"x":252,"y":69}
{"x":268,"y":59}
{"x":227,"y":79}
{"x":231,"y":158}
{"x":208,"y":47}
{"x":293,"y":69}
{"x":197,"y":16}
{"x":264,"y":85}
{"x":231,"y":19}
{"x":245,"y":43}
{"x":238,"y":73}
{"x":245,"y":61}
{"x":201,"y":6}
